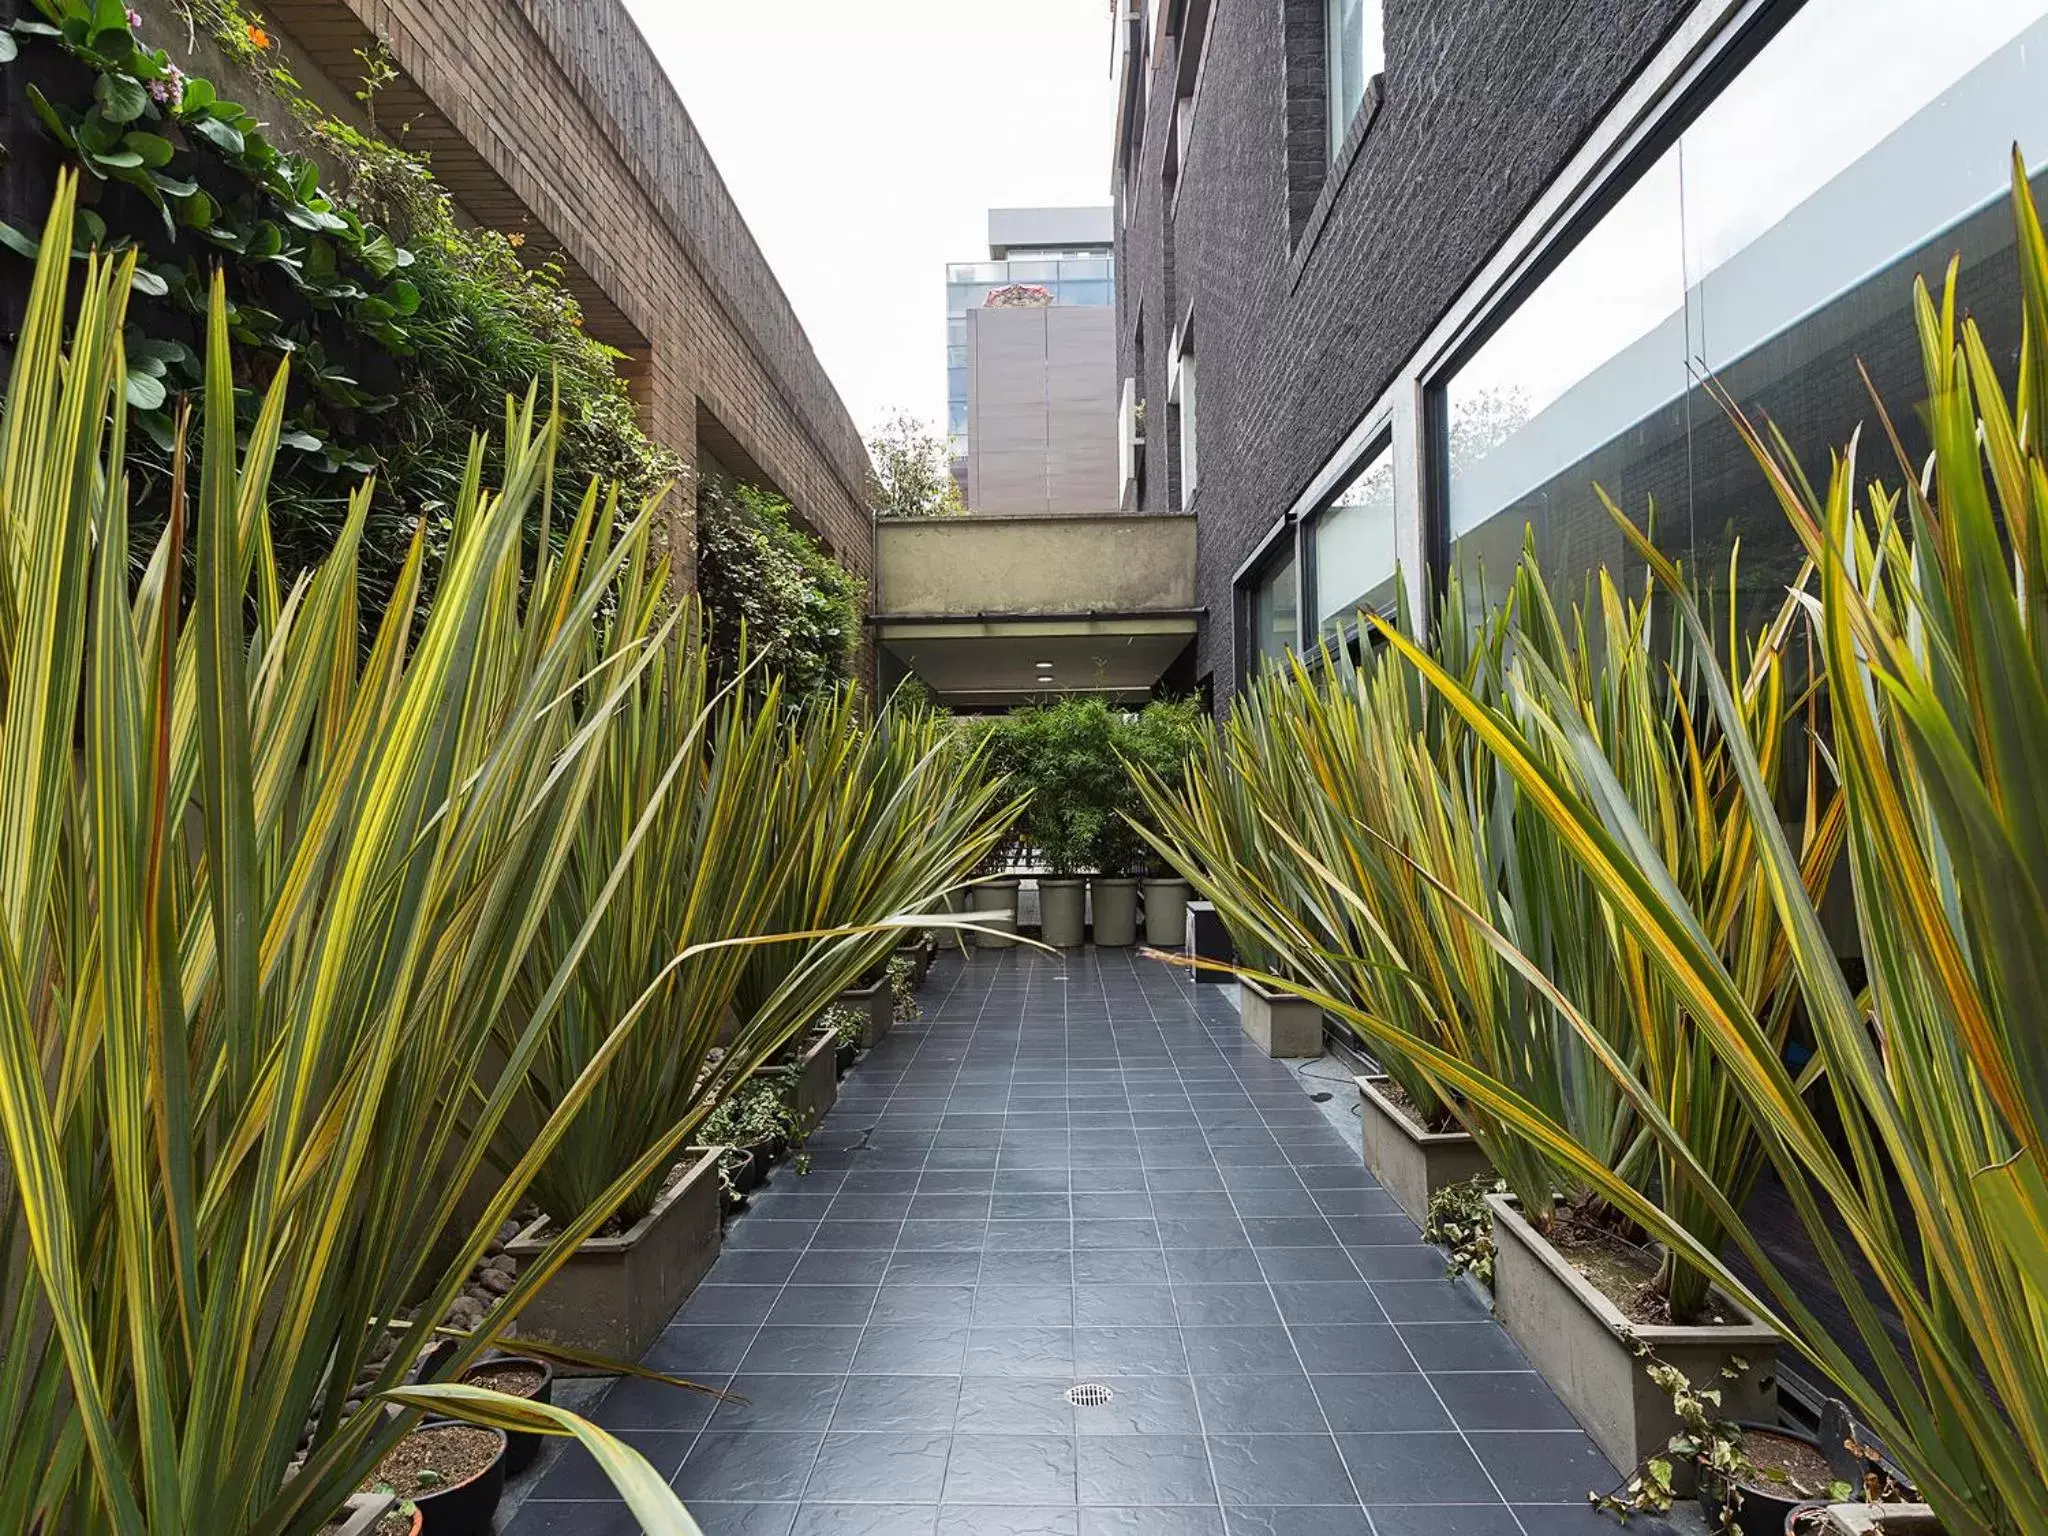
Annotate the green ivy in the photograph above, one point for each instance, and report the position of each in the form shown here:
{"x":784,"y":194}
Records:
{"x":772,"y":592}
{"x":405,"y":331}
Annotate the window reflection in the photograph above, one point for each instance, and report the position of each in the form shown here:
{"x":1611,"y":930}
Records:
{"x":1773,"y":245}
{"x":1275,"y":615}
{"x":1355,"y":550}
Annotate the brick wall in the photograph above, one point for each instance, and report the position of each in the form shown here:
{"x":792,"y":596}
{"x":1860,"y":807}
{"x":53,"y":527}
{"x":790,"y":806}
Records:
{"x":554,"y":117}
{"x":1482,"y":102}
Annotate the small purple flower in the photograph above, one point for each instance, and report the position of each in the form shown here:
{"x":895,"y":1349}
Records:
{"x":134,"y":19}
{"x":169,"y":91}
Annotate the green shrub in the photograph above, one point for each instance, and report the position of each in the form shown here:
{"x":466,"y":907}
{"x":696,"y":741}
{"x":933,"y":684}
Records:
{"x":406,"y":331}
{"x":773,"y":593}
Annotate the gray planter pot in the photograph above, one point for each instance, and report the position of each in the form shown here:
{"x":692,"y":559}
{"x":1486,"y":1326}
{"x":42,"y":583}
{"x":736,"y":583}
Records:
{"x":1582,"y":1345}
{"x":817,"y":1089}
{"x":1166,"y":913}
{"x":879,"y":1004}
{"x":1412,"y":1164}
{"x":993,"y":904}
{"x":615,"y":1294}
{"x":1063,"y":911}
{"x":1279,"y":1023}
{"x":1115,"y":901}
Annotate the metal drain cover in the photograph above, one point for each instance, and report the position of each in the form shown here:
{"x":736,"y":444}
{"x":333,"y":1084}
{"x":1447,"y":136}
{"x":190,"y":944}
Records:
{"x":1090,"y":1394}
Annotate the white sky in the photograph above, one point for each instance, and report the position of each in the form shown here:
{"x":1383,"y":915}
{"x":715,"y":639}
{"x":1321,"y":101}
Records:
{"x":865,"y":143}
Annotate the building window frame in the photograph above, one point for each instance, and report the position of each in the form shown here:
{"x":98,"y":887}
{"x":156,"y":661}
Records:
{"x":1345,"y":632}
{"x":1281,"y":543}
{"x":1183,"y":395}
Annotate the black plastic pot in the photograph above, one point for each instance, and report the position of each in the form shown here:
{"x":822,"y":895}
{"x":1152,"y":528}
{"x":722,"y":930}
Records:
{"x":844,"y":1057}
{"x":1761,"y":1512}
{"x":465,"y":1509}
{"x":521,"y":1445}
{"x":741,"y":1170}
{"x":1799,"y":1519}
{"x":764,"y":1152}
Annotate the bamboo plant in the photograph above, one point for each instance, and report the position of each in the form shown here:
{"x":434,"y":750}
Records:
{"x":260,"y":897}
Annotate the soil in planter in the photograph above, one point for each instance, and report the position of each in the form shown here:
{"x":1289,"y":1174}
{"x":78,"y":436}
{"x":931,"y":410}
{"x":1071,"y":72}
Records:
{"x":1397,"y":1096}
{"x":430,"y":1460}
{"x":618,"y":1226}
{"x":397,"y":1523}
{"x":1619,"y":1270}
{"x":1786,"y":1468}
{"x":514,"y":1378}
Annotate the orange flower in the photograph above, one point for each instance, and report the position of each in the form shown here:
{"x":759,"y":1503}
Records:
{"x":258,"y":37}
{"x":516,"y":239}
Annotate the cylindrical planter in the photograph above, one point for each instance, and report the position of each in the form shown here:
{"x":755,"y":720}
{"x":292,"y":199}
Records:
{"x":615,"y":1294}
{"x":1583,"y":1345}
{"x":1412,"y":1164}
{"x":1063,"y":911}
{"x":467,"y":1508}
{"x":1166,"y":913}
{"x":521,"y":1446}
{"x":1762,"y":1511}
{"x":993,"y":904}
{"x":1115,"y":903}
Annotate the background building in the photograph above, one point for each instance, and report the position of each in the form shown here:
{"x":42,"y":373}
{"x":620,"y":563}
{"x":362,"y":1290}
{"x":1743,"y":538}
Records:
{"x":1065,"y":255}
{"x":1447,"y":267}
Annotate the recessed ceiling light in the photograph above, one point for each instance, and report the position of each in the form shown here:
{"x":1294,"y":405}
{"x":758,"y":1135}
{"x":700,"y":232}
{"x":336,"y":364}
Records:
{"x":1045,"y":666}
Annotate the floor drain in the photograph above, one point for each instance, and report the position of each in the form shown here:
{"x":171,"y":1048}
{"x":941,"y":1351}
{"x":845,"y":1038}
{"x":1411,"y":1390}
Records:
{"x":1089,"y":1394}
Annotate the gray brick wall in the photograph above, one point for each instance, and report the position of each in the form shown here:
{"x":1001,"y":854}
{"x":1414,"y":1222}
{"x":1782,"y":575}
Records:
{"x":1483,"y":101}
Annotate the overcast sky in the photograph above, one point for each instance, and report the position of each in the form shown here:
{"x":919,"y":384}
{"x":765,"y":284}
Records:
{"x":866,"y":142}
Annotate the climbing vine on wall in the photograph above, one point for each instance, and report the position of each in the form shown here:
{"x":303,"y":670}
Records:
{"x":405,"y":330}
{"x":772,"y":592}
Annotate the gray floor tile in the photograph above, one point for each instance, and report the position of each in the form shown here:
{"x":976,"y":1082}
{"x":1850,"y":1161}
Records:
{"x":1007,"y":1469}
{"x":880,"y":1467}
{"x":865,"y":1520}
{"x":1279,"y":1469}
{"x":1145,"y":1469}
{"x":1402,"y":1468}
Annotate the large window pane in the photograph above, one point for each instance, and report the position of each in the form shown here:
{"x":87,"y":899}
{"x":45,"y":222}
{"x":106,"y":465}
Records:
{"x":1355,"y":547}
{"x":1773,"y":246}
{"x":1275,"y":615}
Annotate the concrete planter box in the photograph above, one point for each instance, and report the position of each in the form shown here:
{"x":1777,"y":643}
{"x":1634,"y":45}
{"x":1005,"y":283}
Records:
{"x":616,"y":1294}
{"x":879,"y":1004}
{"x":919,"y":954}
{"x":1279,"y":1023}
{"x":1882,"y":1520}
{"x":1063,"y":911}
{"x":986,"y":900}
{"x":1581,"y":1344}
{"x":1412,"y":1164}
{"x":1115,"y":901}
{"x":1166,"y":913}
{"x":817,"y":1088}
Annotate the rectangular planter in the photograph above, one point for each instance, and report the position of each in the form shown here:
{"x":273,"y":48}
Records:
{"x":1882,"y":1520}
{"x":818,"y":1087}
{"x":1580,"y":1342}
{"x":1279,"y":1023}
{"x":878,"y":1003}
{"x":919,"y":954}
{"x":616,"y":1294}
{"x":1412,"y":1164}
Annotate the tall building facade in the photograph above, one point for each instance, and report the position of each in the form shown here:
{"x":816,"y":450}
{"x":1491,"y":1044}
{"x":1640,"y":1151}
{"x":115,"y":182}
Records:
{"x":1442,"y":269}
{"x":1037,"y":377}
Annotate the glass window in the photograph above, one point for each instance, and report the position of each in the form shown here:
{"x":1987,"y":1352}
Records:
{"x":1086,"y":293}
{"x":1274,"y":614}
{"x":1773,"y":245}
{"x":1354,"y":54}
{"x":1091,"y":267}
{"x":1182,"y":395}
{"x":1353,"y":548}
{"x":956,"y":383}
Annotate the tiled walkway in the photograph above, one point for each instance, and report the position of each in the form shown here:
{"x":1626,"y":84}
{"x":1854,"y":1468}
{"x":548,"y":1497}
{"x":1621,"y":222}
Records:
{"x":1074,"y":1170}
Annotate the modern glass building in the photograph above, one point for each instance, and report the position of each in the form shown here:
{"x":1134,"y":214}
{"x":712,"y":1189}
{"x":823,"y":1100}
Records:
{"x":1066,"y":251}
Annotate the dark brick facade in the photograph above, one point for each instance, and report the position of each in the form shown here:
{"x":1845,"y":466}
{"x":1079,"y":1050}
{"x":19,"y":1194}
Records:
{"x":1311,"y":283}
